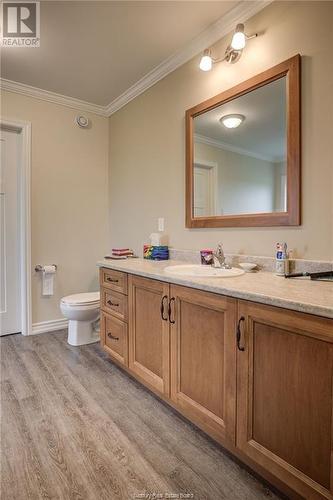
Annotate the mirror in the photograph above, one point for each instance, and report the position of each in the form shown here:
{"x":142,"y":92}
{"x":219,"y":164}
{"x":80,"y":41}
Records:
{"x":243,"y":153}
{"x":240,"y":154}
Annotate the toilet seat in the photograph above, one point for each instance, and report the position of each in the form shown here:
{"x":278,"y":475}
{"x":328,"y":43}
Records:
{"x":82,"y":299}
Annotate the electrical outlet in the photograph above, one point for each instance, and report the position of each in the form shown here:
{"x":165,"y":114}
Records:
{"x":160,"y":224}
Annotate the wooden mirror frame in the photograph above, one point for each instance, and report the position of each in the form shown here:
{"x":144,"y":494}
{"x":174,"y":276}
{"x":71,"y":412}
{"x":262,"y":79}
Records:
{"x":291,"y":69}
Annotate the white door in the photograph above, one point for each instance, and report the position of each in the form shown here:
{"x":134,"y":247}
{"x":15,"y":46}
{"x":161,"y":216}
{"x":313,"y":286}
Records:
{"x":10,"y":297}
{"x":204,"y":191}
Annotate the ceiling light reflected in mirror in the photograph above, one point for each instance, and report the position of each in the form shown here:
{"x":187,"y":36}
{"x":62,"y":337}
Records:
{"x":232,"y":121}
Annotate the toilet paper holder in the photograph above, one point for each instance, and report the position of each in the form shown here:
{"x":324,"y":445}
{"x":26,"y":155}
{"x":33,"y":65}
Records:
{"x":39,"y":268}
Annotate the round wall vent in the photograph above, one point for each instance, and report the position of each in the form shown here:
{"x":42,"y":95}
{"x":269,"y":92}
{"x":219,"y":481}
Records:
{"x":82,"y":121}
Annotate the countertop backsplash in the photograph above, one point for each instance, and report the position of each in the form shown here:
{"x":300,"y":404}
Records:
{"x":263,"y":263}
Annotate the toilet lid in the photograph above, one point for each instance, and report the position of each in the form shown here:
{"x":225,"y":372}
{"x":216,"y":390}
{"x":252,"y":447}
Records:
{"x":82,"y":298}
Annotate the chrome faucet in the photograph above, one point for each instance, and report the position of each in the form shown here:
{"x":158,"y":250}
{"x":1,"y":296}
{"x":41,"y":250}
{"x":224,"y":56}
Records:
{"x":219,"y":258}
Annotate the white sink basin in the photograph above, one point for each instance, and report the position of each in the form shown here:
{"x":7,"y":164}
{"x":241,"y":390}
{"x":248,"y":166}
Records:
{"x":199,"y":271}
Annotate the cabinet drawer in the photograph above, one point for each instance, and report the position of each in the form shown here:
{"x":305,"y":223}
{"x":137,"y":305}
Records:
{"x":115,"y":280}
{"x":114,"y":337}
{"x":114,"y":303}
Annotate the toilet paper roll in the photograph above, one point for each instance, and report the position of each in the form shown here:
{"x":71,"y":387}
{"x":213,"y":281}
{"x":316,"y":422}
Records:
{"x":49,"y":269}
{"x":48,"y":280}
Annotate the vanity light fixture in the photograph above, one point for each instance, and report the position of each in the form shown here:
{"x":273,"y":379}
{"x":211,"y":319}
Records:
{"x":239,"y":39}
{"x":206,"y":61}
{"x":232,"y":121}
{"x":232,"y":53}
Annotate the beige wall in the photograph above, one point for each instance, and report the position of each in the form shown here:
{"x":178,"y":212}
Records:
{"x":147,"y":139}
{"x":69,"y":197}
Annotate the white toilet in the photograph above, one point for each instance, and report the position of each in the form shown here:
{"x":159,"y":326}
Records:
{"x":82,"y":311}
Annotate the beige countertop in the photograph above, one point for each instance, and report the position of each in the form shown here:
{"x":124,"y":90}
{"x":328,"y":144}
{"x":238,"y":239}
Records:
{"x":298,"y":294}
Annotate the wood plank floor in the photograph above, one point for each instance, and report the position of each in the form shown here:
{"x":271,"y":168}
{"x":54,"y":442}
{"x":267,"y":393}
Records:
{"x":74,"y":426}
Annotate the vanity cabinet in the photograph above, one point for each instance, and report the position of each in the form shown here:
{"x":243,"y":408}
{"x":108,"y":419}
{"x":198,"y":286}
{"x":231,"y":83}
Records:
{"x":149,"y":335}
{"x":257,"y":378}
{"x":284,"y":413}
{"x":203,"y":359}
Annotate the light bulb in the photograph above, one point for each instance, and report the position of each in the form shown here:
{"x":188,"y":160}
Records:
{"x":206,"y":62}
{"x":238,"y":40}
{"x":232,"y":121}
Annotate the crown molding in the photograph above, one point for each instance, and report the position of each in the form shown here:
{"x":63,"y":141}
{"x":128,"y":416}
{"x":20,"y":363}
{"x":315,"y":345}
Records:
{"x":234,"y":149}
{"x":45,"y":95}
{"x":241,"y":13}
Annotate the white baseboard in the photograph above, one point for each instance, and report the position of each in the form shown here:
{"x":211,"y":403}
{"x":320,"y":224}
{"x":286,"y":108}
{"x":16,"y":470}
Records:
{"x":49,"y":326}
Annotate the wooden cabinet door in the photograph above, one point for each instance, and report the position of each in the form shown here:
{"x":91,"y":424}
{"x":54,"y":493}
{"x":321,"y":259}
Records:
{"x":203,"y":359}
{"x":284,"y":413}
{"x":149,"y":336}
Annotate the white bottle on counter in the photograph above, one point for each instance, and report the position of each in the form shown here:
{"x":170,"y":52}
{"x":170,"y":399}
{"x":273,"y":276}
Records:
{"x":281,"y":262}
{"x":281,"y":267}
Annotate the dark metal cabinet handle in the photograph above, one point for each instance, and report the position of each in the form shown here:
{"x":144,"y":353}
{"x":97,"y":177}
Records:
{"x":112,"y":336}
{"x":172,"y":321}
{"x":111,"y":280}
{"x":162,"y":308}
{"x":239,"y":334}
{"x":112,"y":303}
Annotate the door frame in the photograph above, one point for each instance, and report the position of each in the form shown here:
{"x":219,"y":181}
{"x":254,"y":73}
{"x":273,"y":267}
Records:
{"x":24,"y":129}
{"x":212,"y":167}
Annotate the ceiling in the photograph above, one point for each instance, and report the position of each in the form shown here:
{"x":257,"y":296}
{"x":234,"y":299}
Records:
{"x":96,"y":50}
{"x":262,"y":133}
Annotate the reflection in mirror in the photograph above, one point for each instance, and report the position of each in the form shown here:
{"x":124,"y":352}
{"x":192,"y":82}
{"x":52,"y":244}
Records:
{"x":240,"y":154}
